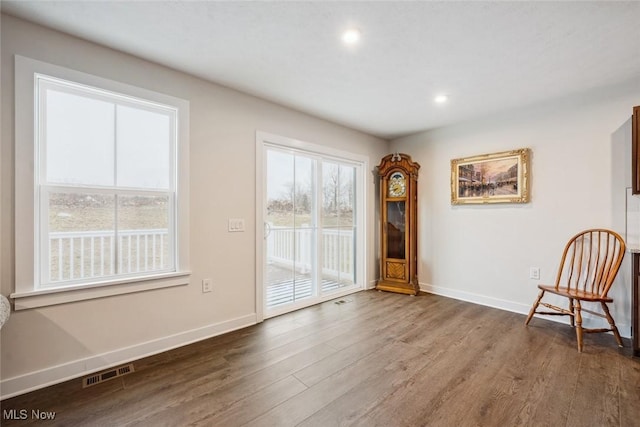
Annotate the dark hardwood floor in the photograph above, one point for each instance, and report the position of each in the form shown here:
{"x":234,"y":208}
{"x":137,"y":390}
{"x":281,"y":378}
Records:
{"x":377,"y":359}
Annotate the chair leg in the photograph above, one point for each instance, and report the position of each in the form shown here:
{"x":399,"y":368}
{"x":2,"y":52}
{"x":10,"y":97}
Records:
{"x":573,"y":320}
{"x":578,"y":317}
{"x":533,"y":309}
{"x":614,"y":328}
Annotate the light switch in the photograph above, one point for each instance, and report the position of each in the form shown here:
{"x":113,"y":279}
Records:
{"x":236,"y":225}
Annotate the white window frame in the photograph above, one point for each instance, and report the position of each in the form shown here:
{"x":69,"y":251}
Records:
{"x":28,"y":290}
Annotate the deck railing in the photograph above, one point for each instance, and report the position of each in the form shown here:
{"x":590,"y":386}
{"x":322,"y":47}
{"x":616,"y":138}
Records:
{"x":293,"y":248}
{"x":85,"y":254}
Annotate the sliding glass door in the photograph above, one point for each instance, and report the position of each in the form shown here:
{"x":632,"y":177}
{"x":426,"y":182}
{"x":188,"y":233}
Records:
{"x":312,"y":233}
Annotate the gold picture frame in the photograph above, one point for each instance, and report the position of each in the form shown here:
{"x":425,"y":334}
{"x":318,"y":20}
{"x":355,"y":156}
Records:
{"x":491,"y":178}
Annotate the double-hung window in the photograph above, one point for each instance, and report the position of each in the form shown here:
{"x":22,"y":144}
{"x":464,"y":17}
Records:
{"x":106,"y":187}
{"x":106,"y":184}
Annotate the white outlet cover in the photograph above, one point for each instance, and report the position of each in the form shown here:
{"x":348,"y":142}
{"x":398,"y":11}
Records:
{"x":534,"y":273}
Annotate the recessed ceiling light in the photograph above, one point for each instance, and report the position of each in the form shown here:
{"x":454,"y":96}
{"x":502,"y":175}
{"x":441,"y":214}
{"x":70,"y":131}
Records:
{"x":351,"y":36}
{"x":441,"y":99}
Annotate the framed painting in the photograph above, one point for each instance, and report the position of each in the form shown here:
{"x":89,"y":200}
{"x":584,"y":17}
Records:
{"x":491,"y":178}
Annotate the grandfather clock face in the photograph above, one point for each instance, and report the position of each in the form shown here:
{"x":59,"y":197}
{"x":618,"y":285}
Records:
{"x":397,"y":185}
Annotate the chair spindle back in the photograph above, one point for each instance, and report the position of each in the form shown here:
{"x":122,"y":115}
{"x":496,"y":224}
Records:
{"x":591,"y":261}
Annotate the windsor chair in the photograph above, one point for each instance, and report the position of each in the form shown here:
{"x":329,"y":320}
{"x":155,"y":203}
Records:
{"x":589,"y":265}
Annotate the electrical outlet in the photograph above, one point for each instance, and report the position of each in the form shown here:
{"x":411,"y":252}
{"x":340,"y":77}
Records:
{"x":534,"y":273}
{"x":207,"y":286}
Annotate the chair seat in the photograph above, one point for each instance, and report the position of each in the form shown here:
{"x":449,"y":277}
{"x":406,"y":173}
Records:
{"x":575,"y":294}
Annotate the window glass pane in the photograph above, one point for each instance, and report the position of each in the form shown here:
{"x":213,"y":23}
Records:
{"x":338,"y":193}
{"x":330,"y":194}
{"x":346,"y":195}
{"x":81,"y":236}
{"x":347,"y":224}
{"x":79,"y":139}
{"x":144,"y":148}
{"x":280,"y":270}
{"x":305,"y":231}
{"x":280,"y":189}
{"x":303,"y":191}
{"x":338,"y":226}
{"x":143,"y":234}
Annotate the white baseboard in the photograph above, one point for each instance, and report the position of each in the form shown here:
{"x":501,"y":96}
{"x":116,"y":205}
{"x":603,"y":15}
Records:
{"x":25,"y":383}
{"x":502,"y":304}
{"x":516,"y":307}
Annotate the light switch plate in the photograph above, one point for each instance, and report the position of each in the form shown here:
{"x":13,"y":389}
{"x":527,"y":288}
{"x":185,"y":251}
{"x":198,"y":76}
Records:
{"x":236,"y":225}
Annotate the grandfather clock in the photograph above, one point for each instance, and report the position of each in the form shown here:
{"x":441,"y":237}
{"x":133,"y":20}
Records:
{"x":399,"y":217}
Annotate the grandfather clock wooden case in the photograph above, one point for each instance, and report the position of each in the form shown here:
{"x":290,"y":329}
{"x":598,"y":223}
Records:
{"x":399,"y":219}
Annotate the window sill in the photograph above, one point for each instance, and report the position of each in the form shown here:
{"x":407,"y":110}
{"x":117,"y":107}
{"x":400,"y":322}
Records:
{"x":47,"y":297}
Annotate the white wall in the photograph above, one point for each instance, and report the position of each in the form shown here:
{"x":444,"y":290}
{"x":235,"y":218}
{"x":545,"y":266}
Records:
{"x":482,"y":253}
{"x":48,"y":344}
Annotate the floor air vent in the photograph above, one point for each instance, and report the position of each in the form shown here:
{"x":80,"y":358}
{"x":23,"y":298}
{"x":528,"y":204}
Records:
{"x":107,"y":375}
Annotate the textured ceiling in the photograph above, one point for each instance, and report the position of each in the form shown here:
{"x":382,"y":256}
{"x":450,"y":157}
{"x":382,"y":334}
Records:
{"x":487,"y":56}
